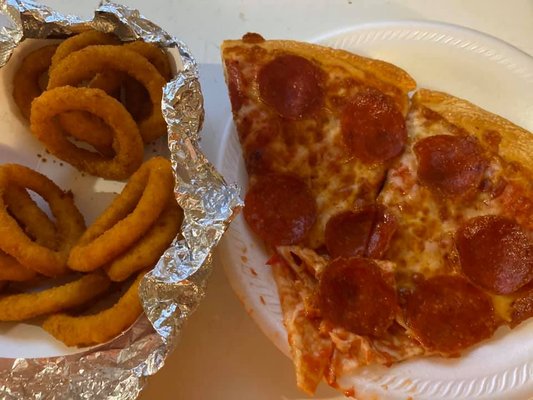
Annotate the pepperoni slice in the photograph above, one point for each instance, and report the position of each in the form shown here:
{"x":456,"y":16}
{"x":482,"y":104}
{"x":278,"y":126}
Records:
{"x":448,"y":314}
{"x":354,"y":295}
{"x":495,"y":253}
{"x":373,"y":128}
{"x":449,"y":163}
{"x":366,"y":232}
{"x":292,"y":85}
{"x":280,"y":209}
{"x":347,"y":233}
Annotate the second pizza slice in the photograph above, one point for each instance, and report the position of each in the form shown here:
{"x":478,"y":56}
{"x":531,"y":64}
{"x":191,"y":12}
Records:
{"x":462,"y":197}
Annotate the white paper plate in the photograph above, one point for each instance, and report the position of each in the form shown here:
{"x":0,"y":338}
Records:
{"x":462,"y":62}
{"x":91,"y":194}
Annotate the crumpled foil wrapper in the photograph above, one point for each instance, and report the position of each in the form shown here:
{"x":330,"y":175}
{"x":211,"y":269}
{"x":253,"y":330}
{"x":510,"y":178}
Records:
{"x":173,"y":290}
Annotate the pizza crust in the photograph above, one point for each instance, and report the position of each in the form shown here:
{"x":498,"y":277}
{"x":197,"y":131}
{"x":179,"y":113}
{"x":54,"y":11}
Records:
{"x":381,"y":70}
{"x":516,"y":143}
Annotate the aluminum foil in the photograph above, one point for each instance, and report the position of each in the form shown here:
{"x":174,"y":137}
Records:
{"x":173,"y":290}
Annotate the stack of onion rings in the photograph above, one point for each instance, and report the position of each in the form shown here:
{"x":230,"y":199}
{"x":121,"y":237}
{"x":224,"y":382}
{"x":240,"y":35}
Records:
{"x":126,"y":140}
{"x":126,"y":240}
{"x":129,"y":217}
{"x":88,"y":62}
{"x":89,"y":89}
{"x":149,"y":248}
{"x":133,"y":73}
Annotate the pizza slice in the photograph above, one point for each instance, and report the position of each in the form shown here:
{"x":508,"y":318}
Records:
{"x":319,"y":129}
{"x":462,"y":198}
{"x":300,"y":112}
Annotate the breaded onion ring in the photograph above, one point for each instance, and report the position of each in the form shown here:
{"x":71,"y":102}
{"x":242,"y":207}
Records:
{"x":90,"y":129}
{"x":81,"y":125}
{"x":30,"y":217}
{"x":154,"y":54}
{"x":147,"y":251}
{"x":80,"y":41}
{"x":15,"y":242}
{"x":136,"y":98}
{"x":12,"y":270}
{"x":26,"y":88}
{"x":127,"y":143}
{"x":26,"y":80}
{"x":128,"y":217}
{"x":18,"y":307}
{"x":86,"y":63}
{"x":37,"y":226}
{"x":108,"y":81}
{"x":100,"y":327}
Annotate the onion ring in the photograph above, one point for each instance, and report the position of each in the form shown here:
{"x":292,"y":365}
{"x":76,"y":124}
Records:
{"x":90,"y":129}
{"x":100,"y":327}
{"x":135,"y":95}
{"x":81,"y":125}
{"x":36,"y":224}
{"x":80,"y":41}
{"x":128,"y":217}
{"x":26,"y":80}
{"x":154,"y":54}
{"x":18,"y":307}
{"x":27,"y":213}
{"x":15,"y":242}
{"x":108,"y":81}
{"x":12,"y":270}
{"x":26,"y":88}
{"x":126,"y":141}
{"x":86,"y":63}
{"x":147,"y":251}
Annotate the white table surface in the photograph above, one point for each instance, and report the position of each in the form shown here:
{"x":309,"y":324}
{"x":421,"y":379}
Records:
{"x":222,"y":354}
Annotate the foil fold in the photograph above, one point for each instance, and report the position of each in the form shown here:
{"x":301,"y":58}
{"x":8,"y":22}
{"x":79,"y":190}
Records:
{"x":177,"y":284}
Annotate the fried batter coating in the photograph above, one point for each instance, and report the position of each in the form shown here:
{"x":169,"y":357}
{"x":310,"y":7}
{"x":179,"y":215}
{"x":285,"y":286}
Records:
{"x":127,"y":142}
{"x":80,"y":41}
{"x":13,"y":239}
{"x":147,"y":251}
{"x":33,"y":220}
{"x":128,"y":217}
{"x":12,"y":270}
{"x":100,"y":327}
{"x":18,"y":307}
{"x":26,"y":80}
{"x":86,"y":63}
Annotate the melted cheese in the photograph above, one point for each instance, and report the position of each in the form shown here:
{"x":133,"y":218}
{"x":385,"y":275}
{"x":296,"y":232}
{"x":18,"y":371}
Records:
{"x":503,"y":306}
{"x":427,"y":221}
{"x":424,"y":242}
{"x":311,"y":148}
